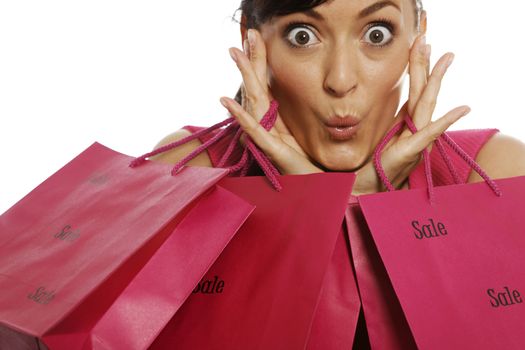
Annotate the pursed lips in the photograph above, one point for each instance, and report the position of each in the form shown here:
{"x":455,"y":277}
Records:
{"x":342,"y":128}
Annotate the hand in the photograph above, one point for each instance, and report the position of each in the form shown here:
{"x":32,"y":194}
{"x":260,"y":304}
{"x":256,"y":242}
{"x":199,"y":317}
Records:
{"x":403,"y":153}
{"x":278,"y":144}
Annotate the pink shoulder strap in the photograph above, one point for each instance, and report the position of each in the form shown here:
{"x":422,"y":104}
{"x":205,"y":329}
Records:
{"x":471,"y":141}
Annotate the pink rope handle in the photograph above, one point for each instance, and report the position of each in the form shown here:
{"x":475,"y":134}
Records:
{"x":381,"y":171}
{"x":268,"y":168}
{"x":473,"y":164}
{"x":242,"y":163}
{"x":271,"y":172}
{"x":377,"y":156}
{"x":250,"y":153}
{"x":230,"y":148}
{"x":199,"y":150}
{"x":426,"y":156}
{"x":459,"y":151}
{"x":448,"y":161}
{"x":441,"y":149}
{"x":140,"y":160}
{"x":426,"y":160}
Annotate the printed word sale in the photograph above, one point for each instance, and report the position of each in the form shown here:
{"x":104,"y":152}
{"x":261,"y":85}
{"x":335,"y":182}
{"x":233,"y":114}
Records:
{"x":210,"y":286}
{"x":430,"y":230}
{"x":504,"y":298}
{"x":42,"y":296}
{"x":67,"y":234}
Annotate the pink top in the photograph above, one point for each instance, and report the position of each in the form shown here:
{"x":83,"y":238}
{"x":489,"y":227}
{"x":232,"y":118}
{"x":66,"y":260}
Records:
{"x":471,"y":141}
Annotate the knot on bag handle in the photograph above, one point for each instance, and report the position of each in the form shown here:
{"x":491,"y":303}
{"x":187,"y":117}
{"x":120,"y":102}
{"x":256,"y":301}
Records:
{"x":251,"y":152}
{"x":426,"y":159}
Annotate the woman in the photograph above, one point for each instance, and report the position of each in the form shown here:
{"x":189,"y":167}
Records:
{"x":336,"y":68}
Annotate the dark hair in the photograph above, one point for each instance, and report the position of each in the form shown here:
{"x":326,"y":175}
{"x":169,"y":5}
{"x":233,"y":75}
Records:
{"x":258,"y":12}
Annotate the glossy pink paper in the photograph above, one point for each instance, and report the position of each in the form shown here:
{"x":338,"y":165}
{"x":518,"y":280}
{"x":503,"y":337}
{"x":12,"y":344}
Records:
{"x":160,"y":288}
{"x":72,"y":245}
{"x":272,"y":270}
{"x":456,"y":266}
{"x":386,"y":325}
{"x":335,"y":319}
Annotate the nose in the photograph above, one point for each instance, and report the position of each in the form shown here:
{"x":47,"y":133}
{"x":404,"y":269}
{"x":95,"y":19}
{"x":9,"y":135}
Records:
{"x":341,"y":72}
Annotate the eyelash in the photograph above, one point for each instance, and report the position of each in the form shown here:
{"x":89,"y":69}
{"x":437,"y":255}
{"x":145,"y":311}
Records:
{"x":291,"y":26}
{"x":385,"y":23}
{"x":382,"y":21}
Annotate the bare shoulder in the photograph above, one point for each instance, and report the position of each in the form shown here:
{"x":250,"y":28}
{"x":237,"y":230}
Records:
{"x":502,"y":156}
{"x":178,"y":153}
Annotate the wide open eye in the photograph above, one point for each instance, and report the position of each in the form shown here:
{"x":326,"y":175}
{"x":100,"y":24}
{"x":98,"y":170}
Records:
{"x":378,"y":35}
{"x":301,"y":36}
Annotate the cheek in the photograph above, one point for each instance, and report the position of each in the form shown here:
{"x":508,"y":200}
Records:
{"x":294,"y":83}
{"x":385,"y":76}
{"x":292,"y":80}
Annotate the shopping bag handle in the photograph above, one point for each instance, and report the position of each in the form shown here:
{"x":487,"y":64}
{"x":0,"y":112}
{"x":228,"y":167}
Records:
{"x":251,"y":152}
{"x":426,"y":159}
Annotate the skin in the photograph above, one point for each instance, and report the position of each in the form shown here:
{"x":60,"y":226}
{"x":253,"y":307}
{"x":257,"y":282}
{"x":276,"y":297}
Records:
{"x":338,"y":72}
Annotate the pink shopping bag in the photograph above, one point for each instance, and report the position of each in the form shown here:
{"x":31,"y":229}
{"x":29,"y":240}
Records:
{"x":386,"y":325}
{"x":335,"y":319}
{"x":453,"y":254}
{"x":98,"y":230}
{"x":456,"y":264}
{"x":262,"y":292}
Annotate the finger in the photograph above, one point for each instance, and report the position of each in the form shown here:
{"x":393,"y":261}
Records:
{"x":429,"y":53}
{"x":418,"y":71}
{"x":255,"y":95}
{"x":420,"y":140}
{"x":257,"y":54}
{"x":399,"y":160}
{"x":427,"y":102}
{"x":403,"y":111}
{"x":264,"y":139}
{"x":244,"y":100}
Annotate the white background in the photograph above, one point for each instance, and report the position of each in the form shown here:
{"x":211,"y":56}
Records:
{"x":127,"y":73}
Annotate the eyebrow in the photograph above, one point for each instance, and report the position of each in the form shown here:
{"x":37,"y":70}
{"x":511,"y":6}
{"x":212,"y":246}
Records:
{"x":376,"y":7}
{"x":364,"y":13}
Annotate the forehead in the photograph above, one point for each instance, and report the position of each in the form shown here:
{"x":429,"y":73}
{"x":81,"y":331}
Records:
{"x":358,"y":9}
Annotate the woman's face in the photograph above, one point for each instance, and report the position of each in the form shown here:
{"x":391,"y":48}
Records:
{"x":337,"y":73}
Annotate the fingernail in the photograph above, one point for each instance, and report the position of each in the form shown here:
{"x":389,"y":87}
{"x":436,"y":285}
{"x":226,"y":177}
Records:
{"x":251,"y":37}
{"x":450,"y":60}
{"x":422,"y":44}
{"x":224,"y":102}
{"x":245,"y":47}
{"x":232,"y":54}
{"x":466,"y":111}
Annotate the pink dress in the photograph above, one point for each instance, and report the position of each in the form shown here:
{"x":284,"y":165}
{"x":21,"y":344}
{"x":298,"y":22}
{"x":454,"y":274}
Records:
{"x":471,"y":141}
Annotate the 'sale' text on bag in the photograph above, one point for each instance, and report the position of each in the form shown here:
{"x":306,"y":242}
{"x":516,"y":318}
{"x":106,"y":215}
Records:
{"x":67,"y":234}
{"x":429,"y":230}
{"x":504,"y":298}
{"x":209,"y":286}
{"x":42,"y":296}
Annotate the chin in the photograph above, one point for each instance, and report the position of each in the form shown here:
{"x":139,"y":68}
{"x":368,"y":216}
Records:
{"x":341,"y":164}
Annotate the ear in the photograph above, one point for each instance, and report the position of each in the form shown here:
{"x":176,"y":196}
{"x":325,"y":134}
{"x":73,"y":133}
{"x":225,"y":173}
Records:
{"x":423,"y":22}
{"x":243,"y":29}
